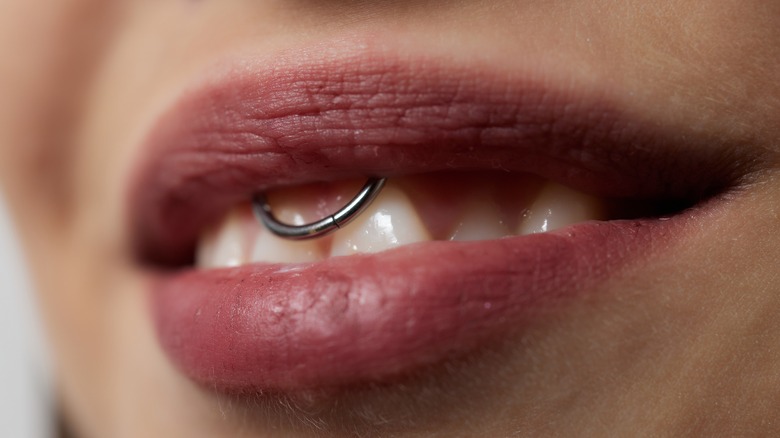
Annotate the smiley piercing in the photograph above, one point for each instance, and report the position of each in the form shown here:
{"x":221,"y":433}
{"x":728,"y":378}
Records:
{"x":323,"y":226}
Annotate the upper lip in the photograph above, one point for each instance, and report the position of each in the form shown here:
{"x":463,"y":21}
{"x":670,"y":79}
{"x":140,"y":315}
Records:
{"x":383,"y":116}
{"x":375,"y":115}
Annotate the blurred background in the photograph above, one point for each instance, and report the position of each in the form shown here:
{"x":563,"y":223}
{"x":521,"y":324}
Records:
{"x":25,"y":382}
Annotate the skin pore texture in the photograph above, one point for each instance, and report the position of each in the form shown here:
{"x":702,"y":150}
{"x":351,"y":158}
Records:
{"x":681,"y":340}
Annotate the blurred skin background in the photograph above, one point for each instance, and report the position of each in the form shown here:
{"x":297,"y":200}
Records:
{"x":682,"y":344}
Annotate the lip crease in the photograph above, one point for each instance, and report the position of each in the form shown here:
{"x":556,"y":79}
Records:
{"x":366,"y":317}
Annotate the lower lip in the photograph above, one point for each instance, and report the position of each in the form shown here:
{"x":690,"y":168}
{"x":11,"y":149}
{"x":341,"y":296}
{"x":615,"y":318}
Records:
{"x":375,"y":317}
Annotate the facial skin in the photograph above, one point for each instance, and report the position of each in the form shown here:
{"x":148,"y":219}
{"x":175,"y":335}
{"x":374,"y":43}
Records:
{"x":683,"y":343}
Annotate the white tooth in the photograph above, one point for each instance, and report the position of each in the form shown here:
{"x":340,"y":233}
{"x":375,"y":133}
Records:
{"x":270,"y":248}
{"x":557,"y":206}
{"x":288,"y":214}
{"x":225,"y":246}
{"x":480,"y":221}
{"x":204,"y":256}
{"x":389,"y":222}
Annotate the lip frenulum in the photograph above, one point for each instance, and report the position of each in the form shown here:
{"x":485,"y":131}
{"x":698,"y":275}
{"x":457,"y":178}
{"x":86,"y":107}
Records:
{"x":366,"y":317}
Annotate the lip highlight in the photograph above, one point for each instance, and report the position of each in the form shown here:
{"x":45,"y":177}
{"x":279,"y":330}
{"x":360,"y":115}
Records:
{"x":361,"y":318}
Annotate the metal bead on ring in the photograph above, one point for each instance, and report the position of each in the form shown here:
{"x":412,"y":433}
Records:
{"x":324,"y":226}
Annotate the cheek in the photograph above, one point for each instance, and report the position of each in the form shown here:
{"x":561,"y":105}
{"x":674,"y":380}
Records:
{"x":51,"y":53}
{"x":45,"y":84}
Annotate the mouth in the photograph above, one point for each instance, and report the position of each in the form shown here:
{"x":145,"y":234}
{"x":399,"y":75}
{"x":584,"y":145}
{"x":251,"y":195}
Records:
{"x":507,"y":195}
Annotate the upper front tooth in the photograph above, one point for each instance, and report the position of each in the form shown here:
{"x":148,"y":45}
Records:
{"x":390,"y":221}
{"x":225,"y":246}
{"x":481,"y":220}
{"x":556,"y":207}
{"x":273,"y":249}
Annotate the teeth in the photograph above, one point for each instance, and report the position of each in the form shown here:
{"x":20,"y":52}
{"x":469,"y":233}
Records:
{"x":392,"y":220}
{"x":556,"y":207}
{"x":481,"y":220}
{"x":224,"y":246}
{"x":272,"y":249}
{"x":389,"y":222}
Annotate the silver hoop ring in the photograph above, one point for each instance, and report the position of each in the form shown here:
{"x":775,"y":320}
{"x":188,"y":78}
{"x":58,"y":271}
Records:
{"x":323,"y":226}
